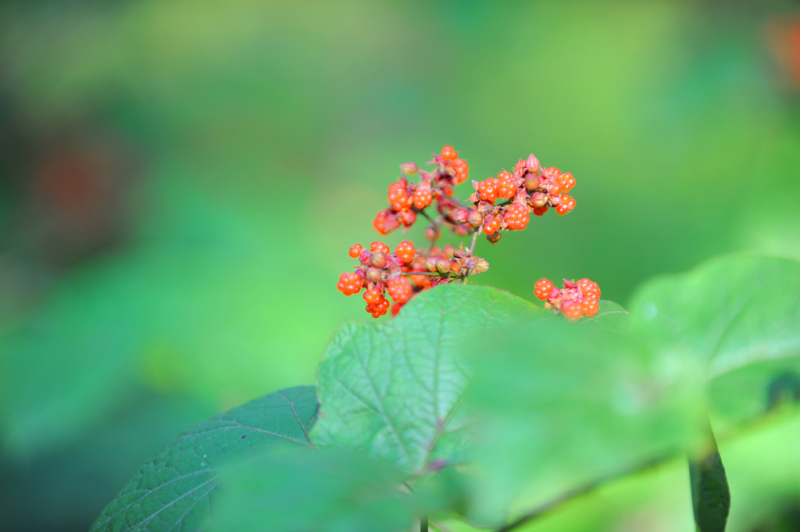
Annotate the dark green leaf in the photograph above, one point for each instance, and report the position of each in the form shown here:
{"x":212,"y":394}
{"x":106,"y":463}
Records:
{"x":392,"y":390}
{"x":329,"y":490}
{"x":711,"y":498}
{"x":739,"y":318}
{"x":175,"y":489}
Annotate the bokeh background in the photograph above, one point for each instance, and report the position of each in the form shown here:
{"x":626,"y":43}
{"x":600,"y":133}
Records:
{"x":180,"y":182}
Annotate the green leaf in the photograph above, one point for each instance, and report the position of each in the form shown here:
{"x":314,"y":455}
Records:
{"x":730,"y":312}
{"x":392,"y":390}
{"x":175,"y":489}
{"x":561,"y":405}
{"x":711,"y":497}
{"x":299,"y":490}
{"x":739,"y":317}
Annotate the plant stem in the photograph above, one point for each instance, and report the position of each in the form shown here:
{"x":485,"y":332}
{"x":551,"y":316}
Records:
{"x":454,"y":200}
{"x":474,"y":239}
{"x":423,"y":524}
{"x":425,"y":273}
{"x":554,"y":503}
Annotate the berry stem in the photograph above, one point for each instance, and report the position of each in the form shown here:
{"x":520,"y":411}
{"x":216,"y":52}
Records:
{"x":426,"y":273}
{"x":474,"y":241}
{"x":456,"y":201}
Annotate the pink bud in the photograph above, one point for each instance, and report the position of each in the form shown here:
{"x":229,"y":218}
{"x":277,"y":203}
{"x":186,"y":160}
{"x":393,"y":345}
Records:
{"x":475,"y":219}
{"x":460,"y":215}
{"x":538,"y":199}
{"x":532,"y":163}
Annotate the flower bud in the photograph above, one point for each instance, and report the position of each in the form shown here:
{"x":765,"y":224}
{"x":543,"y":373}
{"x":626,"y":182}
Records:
{"x":479,"y":265}
{"x":520,"y":166}
{"x":460,"y":215}
{"x":532,"y":182}
{"x":409,"y":168}
{"x":430,"y":264}
{"x":532,"y":163}
{"x":475,"y":219}
{"x":538,"y":199}
{"x":378,"y":260}
{"x":374,"y":275}
{"x":449,"y":250}
{"x":442,"y":265}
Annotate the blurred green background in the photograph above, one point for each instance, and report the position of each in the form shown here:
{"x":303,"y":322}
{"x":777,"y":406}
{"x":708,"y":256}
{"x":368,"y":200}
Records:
{"x":181,"y":180}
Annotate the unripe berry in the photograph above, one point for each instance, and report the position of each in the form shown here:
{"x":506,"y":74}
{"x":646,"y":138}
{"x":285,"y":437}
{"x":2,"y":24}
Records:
{"x":373,"y":274}
{"x":460,"y":215}
{"x":410,"y":168}
{"x":538,"y":200}
{"x":449,"y":154}
{"x":475,"y":218}
{"x":405,"y":250}
{"x":495,"y":237}
{"x":378,"y":259}
{"x":539,"y":211}
{"x":533,"y":181}
{"x":542,"y":288}
{"x":356,"y":250}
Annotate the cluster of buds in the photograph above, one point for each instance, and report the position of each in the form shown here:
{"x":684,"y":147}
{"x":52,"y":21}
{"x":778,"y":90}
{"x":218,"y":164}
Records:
{"x":573,"y":301}
{"x":404,"y":273}
{"x":407,"y":199}
{"x":530,"y":188}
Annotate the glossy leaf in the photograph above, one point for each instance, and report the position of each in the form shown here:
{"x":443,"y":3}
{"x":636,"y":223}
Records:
{"x":175,"y":490}
{"x":392,"y":390}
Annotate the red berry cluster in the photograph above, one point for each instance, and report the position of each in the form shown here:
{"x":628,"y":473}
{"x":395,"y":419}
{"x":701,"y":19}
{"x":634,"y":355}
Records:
{"x":499,"y":204}
{"x":407,"y":199}
{"x":404,"y":273}
{"x":574,"y":300}
{"x":529,"y":189}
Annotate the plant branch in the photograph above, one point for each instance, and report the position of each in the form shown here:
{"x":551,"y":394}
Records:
{"x":589,"y":487}
{"x":426,"y":273}
{"x":423,"y":524}
{"x":454,"y":200}
{"x":474,"y":241}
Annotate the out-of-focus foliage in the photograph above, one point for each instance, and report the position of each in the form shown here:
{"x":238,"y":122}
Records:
{"x":175,"y":488}
{"x":179,"y":183}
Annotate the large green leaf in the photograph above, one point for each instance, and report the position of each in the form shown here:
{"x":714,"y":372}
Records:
{"x":174,"y":490}
{"x":392,"y":390}
{"x":561,"y":405}
{"x":740,"y":318}
{"x":299,"y":490}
